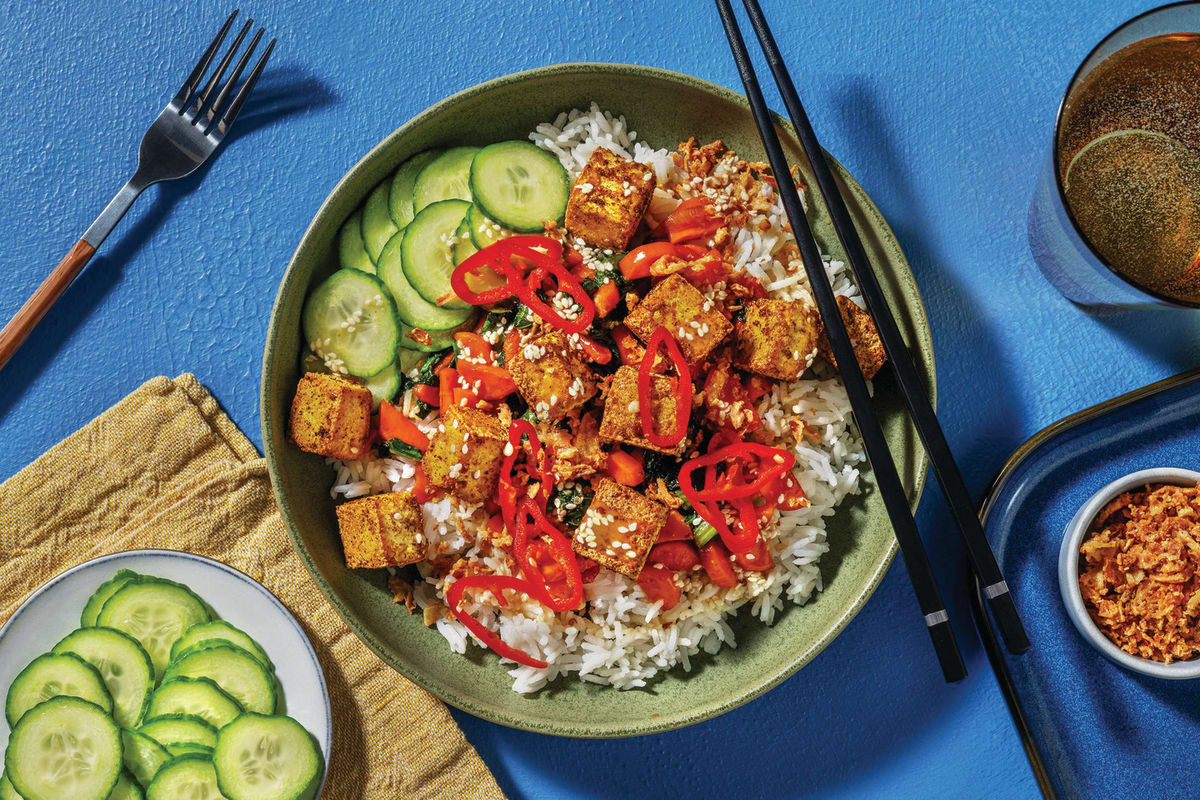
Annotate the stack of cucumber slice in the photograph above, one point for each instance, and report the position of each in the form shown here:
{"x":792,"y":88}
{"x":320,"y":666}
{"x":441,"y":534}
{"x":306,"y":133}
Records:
{"x":397,"y":251}
{"x":153,"y":698}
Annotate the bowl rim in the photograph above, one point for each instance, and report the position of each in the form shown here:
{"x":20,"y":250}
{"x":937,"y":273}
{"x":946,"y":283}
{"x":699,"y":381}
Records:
{"x":358,"y":626}
{"x":1068,"y":572}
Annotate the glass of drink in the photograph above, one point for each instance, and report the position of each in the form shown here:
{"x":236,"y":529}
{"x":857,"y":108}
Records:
{"x":1115,"y":219}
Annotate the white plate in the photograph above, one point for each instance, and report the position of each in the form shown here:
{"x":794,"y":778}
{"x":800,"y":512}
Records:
{"x":52,"y":612}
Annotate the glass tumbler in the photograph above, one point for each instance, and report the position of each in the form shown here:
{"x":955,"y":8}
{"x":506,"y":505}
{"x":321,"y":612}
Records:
{"x":1115,"y":217}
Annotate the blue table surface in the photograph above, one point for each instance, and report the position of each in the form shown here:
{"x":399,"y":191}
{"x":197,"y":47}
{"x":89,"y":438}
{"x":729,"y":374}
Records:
{"x":943,"y":111}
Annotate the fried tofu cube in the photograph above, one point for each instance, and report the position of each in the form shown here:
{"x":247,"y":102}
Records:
{"x":690,"y":317}
{"x":552,"y":376}
{"x":331,"y":416}
{"x":609,"y":200}
{"x":382,"y":530}
{"x":619,"y":528}
{"x":778,"y":338}
{"x":868,"y":348}
{"x":622,"y":421}
{"x":464,"y":455}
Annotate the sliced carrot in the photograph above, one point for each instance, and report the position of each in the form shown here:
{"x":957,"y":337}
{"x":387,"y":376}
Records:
{"x":637,"y":262}
{"x":473,"y":346}
{"x":421,"y":490}
{"x":606,"y":298}
{"x":715,"y":559}
{"x":625,"y":468}
{"x":447,"y":380}
{"x":628,"y":346}
{"x":691,"y":219}
{"x":659,"y":584}
{"x":593,"y":350}
{"x":487,"y":380}
{"x":675,"y":529}
{"x":429,"y":395}
{"x":394,"y":425}
{"x":675,"y":556}
{"x":756,"y":559}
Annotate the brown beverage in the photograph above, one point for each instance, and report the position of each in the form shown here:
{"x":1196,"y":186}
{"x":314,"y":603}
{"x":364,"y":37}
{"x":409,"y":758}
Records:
{"x":1129,"y":162}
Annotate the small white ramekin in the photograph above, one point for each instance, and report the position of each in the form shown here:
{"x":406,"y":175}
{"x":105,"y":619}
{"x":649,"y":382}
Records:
{"x":1068,"y":573}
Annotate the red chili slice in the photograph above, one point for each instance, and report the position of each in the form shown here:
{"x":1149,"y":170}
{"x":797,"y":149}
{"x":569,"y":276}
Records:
{"x":546,"y":257}
{"x":507,"y":489}
{"x":661,"y":338}
{"x":772,"y":461}
{"x":495,"y":584}
{"x":560,"y":552}
{"x":527,"y":292}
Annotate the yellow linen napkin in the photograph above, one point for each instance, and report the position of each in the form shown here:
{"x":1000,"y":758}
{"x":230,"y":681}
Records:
{"x":165,"y":467}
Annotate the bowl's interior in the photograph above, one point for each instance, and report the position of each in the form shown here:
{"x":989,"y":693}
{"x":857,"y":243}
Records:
{"x":664,"y":108}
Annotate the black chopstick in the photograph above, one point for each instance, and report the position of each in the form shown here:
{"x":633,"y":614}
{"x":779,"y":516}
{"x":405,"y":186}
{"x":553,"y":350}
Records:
{"x":891,"y":489}
{"x":979,"y":553}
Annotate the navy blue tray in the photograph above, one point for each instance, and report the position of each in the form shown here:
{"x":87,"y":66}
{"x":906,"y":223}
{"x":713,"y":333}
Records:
{"x":1091,"y":729}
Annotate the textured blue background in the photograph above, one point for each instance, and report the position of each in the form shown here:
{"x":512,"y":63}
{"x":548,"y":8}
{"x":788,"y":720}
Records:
{"x":941,"y":109}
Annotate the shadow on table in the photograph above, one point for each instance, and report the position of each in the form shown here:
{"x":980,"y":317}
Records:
{"x":280,"y":93}
{"x":1178,"y":349}
{"x":873,"y":694}
{"x":980,"y":412}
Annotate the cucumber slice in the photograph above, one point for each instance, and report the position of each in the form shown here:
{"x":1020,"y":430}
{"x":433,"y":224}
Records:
{"x":220,"y":630}
{"x":64,"y":748}
{"x":185,"y":777}
{"x":447,"y":177}
{"x":368,"y":345}
{"x":199,"y":697}
{"x":383,"y":386}
{"x":427,"y":256}
{"x":400,"y":195}
{"x":54,"y":675}
{"x":180,"y":729}
{"x":184,"y":749}
{"x":519,"y":185}
{"x":376,"y":225}
{"x":438,"y":340}
{"x":484,"y":230}
{"x":156,"y":612}
{"x":7,"y":792}
{"x":261,"y":757}
{"x":123,"y":664}
{"x":409,"y":360}
{"x":91,"y":609}
{"x":352,"y":252}
{"x":144,"y":757}
{"x":410,"y":306}
{"x":127,"y":788}
{"x":233,"y":669}
{"x":464,"y":246}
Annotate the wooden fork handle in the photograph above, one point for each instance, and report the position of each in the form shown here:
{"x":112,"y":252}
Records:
{"x":25,"y":320}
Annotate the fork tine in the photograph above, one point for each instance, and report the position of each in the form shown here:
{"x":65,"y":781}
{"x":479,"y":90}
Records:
{"x":193,"y":80}
{"x":226,"y":120}
{"x":198,"y":106}
{"x":215,"y":106}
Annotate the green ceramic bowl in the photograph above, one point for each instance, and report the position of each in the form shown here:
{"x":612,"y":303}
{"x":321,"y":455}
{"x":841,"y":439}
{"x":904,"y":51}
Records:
{"x":665,"y":108}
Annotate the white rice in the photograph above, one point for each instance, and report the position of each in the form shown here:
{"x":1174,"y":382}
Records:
{"x":622,"y":640}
